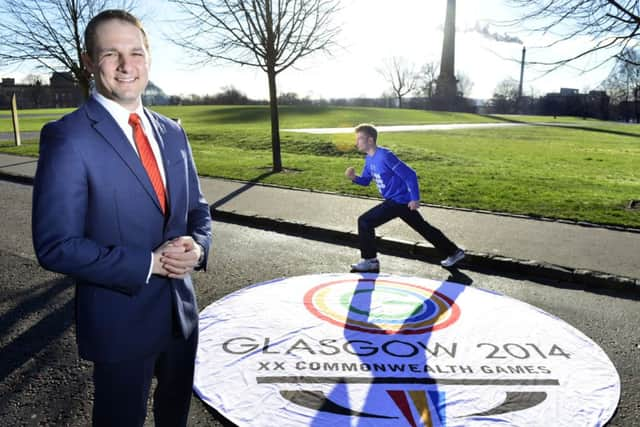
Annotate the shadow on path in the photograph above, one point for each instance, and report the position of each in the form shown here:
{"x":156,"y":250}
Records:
{"x":28,"y":162}
{"x":252,"y":182}
{"x":48,"y":329}
{"x":42,"y":380}
{"x":457,"y":276}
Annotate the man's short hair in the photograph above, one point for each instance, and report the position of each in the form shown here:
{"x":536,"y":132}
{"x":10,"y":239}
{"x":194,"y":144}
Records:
{"x":108,"y":15}
{"x":369,"y":130}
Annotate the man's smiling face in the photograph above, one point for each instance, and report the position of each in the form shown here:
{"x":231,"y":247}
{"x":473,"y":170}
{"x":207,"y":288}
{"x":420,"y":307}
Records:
{"x":120,"y":64}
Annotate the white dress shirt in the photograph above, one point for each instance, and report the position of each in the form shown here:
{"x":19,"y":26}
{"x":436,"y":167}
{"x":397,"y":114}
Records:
{"x":121,"y":116}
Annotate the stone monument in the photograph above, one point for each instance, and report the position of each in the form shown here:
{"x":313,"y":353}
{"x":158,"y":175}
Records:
{"x":446,"y":84}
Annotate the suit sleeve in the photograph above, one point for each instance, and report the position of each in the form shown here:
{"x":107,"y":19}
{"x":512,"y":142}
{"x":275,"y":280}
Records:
{"x":60,"y":200}
{"x":199,"y":216}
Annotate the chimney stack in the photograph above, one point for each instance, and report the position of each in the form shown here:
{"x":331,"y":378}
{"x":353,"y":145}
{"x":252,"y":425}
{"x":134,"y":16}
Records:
{"x":521,"y":73}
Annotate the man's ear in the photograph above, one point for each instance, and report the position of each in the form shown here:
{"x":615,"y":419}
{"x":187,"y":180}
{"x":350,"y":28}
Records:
{"x":88,"y":63}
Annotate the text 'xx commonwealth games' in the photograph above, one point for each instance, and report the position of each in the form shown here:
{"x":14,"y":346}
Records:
{"x":382,"y":350}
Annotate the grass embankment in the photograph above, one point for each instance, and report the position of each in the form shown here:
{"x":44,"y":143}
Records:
{"x":588,"y":172}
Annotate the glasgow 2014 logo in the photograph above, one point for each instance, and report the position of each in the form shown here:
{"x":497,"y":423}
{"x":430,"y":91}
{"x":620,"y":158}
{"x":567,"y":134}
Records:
{"x":381,"y":306}
{"x":382,"y":350}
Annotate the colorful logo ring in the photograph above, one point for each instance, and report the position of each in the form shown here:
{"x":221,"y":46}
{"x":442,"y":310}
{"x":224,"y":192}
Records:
{"x":381,"y":306}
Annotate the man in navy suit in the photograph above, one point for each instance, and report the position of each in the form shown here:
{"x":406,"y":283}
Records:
{"x":129,"y":234}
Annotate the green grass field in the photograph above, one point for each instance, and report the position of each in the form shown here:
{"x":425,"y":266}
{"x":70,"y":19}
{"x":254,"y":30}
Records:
{"x":587,"y":171}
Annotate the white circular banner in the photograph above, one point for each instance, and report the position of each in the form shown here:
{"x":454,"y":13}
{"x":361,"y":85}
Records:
{"x":385,"y":350}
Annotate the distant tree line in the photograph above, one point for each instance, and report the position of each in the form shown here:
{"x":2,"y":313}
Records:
{"x":566,"y":102}
{"x":227,"y":96}
{"x":233,"y":96}
{"x":616,"y":98}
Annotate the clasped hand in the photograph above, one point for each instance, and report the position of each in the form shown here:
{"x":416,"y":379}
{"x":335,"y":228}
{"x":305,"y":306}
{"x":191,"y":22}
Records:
{"x":176,"y":258}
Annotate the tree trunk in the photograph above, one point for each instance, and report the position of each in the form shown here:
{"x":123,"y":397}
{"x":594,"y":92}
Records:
{"x":275,"y":122}
{"x":85,"y":87}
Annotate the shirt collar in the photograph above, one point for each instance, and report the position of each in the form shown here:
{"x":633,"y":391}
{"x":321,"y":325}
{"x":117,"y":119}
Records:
{"x":117,"y":111}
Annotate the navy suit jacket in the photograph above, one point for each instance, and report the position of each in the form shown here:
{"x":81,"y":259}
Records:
{"x":97,"y":219}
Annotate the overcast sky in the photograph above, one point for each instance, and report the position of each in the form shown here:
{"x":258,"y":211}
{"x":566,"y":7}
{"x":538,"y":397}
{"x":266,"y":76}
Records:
{"x":374,"y":31}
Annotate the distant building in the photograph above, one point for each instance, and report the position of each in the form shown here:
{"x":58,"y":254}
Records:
{"x":570,"y":102}
{"x":564,"y":91}
{"x":153,"y":95}
{"x":62,"y":91}
{"x":65,"y":90}
{"x":8,"y":87}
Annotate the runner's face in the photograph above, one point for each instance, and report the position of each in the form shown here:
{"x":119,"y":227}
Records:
{"x":363,"y":142}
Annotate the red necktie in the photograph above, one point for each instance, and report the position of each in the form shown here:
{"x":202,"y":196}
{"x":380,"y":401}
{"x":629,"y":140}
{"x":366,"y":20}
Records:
{"x":148,"y":159}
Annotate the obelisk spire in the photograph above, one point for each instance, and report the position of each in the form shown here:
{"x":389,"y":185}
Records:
{"x":446,"y":85}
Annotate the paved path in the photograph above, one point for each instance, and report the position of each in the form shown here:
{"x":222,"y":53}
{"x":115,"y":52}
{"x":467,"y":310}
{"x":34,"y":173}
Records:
{"x":5,"y":136}
{"x":409,"y":128}
{"x":9,"y":136}
{"x":559,"y":250}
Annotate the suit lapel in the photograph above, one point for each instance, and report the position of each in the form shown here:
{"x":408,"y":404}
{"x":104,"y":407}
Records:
{"x":160,"y":133}
{"x":107,"y":127}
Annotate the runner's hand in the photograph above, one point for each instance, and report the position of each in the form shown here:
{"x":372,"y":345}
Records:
{"x":350,"y":173}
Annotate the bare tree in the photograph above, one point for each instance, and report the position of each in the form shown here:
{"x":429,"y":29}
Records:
{"x":505,"y":96}
{"x":48,"y":34}
{"x":271,"y":35}
{"x":613,"y":26}
{"x":465,"y":84}
{"x":427,"y":77}
{"x":401,"y":76}
{"x":624,"y":78}
{"x":623,"y":85}
{"x":35,"y":91}
{"x":33,"y":80}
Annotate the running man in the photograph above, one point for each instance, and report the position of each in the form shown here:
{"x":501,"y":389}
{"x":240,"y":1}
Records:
{"x":398,"y":185}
